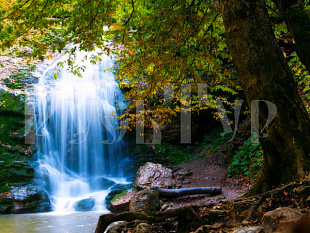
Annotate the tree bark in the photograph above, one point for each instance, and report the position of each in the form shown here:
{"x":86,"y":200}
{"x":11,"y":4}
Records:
{"x":297,"y":21}
{"x":265,"y":75}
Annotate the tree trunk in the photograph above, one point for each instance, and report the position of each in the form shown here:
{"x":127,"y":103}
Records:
{"x":265,"y":75}
{"x":298,"y":23}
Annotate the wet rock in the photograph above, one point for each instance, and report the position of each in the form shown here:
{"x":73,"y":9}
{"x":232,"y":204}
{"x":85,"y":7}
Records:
{"x":155,"y":175}
{"x":116,"y":189}
{"x":145,"y":200}
{"x":142,"y":228}
{"x":121,"y":204}
{"x":280,"y":219}
{"x":106,"y":183}
{"x":20,"y":170}
{"x":85,"y":204}
{"x":25,"y":199}
{"x":14,"y":171}
{"x":256,"y":229}
{"x":30,"y":80}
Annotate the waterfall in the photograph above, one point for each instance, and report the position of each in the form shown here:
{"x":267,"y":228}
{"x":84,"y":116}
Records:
{"x":79,"y":147}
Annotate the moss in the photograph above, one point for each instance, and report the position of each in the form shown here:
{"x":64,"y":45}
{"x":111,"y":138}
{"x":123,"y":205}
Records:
{"x":5,"y":205}
{"x":13,"y":160}
{"x":11,"y":104}
{"x":122,"y":194}
{"x":117,"y":196}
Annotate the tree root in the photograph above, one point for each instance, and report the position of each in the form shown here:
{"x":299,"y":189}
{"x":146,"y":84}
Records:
{"x":255,"y":207}
{"x":184,"y":215}
{"x":204,"y":228}
{"x":295,"y":195}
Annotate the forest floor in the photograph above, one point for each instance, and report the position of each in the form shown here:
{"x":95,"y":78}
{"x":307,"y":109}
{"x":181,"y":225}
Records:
{"x":210,"y":172}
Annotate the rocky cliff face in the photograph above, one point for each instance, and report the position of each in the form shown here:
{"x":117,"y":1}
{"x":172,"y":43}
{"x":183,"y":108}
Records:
{"x":15,"y":153}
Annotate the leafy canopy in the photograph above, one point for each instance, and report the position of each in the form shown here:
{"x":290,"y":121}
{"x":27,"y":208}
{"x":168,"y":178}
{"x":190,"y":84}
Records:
{"x":155,"y":42}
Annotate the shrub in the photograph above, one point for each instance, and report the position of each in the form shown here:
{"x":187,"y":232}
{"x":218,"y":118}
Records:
{"x":247,"y":160}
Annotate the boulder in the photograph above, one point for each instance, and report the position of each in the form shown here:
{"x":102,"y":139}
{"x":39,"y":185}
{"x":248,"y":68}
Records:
{"x":116,"y":189}
{"x":302,"y":226}
{"x":121,"y":204}
{"x":280,"y":219}
{"x":155,"y":175}
{"x":145,"y":200}
{"x":142,"y":228}
{"x":85,"y":204}
{"x":25,"y":199}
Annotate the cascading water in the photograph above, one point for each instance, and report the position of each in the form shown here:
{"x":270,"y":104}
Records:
{"x":80,"y":151}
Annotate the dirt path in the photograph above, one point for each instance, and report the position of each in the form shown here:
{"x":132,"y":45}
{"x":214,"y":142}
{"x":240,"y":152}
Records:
{"x":209,"y":173}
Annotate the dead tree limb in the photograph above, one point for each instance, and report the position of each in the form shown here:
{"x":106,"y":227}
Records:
{"x":188,"y":191}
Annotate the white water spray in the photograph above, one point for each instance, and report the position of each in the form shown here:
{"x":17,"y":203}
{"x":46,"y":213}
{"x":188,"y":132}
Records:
{"x":81,"y":154}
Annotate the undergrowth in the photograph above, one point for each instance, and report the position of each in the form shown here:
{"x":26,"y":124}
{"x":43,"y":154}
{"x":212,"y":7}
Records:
{"x":214,"y":140}
{"x":247,"y":160}
{"x":174,"y":153}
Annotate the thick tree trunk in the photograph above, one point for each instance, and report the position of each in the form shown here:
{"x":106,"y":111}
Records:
{"x":298,"y":23}
{"x":264,"y":75}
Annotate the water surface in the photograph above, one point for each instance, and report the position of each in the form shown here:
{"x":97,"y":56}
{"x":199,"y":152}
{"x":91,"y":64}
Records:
{"x":76,"y":222}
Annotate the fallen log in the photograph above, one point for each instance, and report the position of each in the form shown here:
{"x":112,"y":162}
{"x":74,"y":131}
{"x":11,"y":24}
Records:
{"x":188,"y":191}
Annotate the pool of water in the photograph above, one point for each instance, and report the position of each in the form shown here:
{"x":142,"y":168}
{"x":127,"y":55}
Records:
{"x":76,"y":222}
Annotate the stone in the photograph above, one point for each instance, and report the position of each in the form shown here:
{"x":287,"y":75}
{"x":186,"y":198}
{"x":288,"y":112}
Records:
{"x":116,"y":227}
{"x":116,"y":189}
{"x":121,"y":204}
{"x":166,"y":206}
{"x":181,"y":174}
{"x":25,"y":199}
{"x":145,"y":200}
{"x":302,"y":226}
{"x":85,"y":204}
{"x":280,"y":219}
{"x":142,"y":228}
{"x":155,"y":175}
{"x":256,"y":229}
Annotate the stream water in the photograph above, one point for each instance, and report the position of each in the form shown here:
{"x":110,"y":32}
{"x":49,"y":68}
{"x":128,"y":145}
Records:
{"x":77,"y":222}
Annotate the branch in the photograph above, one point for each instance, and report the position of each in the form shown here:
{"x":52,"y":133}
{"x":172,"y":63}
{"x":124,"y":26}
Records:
{"x":21,"y":6}
{"x":133,"y":9}
{"x":87,"y":26}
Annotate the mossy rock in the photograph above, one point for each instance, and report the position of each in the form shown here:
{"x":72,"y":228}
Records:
{"x":11,"y":103}
{"x":117,"y":196}
{"x":5,"y":206}
{"x":115,"y":190}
